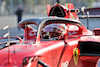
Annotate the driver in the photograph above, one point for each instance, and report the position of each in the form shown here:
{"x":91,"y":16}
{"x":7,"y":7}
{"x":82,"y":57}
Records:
{"x":54,"y":30}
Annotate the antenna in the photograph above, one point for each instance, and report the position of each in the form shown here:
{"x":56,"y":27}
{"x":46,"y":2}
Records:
{"x":26,"y":30}
{"x":58,"y":1}
{"x":8,"y":44}
{"x":87,"y":20}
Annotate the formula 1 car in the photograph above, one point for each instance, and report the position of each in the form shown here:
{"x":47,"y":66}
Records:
{"x":59,"y":40}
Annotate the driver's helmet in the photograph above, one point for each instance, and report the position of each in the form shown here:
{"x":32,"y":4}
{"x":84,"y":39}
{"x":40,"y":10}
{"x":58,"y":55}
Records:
{"x":54,"y":30}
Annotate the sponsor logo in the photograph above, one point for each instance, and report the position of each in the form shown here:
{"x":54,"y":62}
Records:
{"x":75,"y":56}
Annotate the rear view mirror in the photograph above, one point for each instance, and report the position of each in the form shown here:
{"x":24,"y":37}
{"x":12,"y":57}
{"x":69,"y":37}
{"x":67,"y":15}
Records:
{"x":96,"y":31}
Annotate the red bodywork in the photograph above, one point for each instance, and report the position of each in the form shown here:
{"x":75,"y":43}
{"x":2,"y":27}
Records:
{"x":70,"y":51}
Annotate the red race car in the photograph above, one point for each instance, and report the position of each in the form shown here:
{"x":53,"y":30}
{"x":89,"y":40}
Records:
{"x":61,"y":41}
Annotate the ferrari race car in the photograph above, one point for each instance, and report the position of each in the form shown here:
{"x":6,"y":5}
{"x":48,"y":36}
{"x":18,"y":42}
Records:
{"x":72,"y":46}
{"x":59,"y":40}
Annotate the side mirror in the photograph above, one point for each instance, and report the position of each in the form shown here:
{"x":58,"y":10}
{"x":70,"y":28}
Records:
{"x":96,"y":31}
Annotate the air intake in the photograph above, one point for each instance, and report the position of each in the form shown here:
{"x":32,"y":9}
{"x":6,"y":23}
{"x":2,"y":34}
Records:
{"x":89,"y":48}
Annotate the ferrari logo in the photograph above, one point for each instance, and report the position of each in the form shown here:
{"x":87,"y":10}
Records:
{"x":75,"y":55}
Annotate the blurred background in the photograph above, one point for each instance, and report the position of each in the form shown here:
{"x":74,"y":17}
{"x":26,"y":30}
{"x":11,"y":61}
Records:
{"x":8,"y":7}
